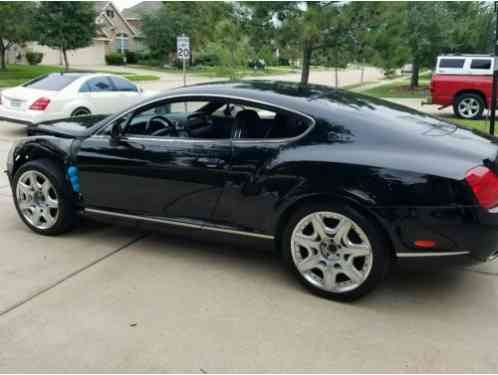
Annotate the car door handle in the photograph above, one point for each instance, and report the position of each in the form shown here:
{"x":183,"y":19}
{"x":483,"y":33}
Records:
{"x":210,"y":162}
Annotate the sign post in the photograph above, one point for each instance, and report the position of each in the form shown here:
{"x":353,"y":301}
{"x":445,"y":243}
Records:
{"x":492,"y":114}
{"x":183,"y":53}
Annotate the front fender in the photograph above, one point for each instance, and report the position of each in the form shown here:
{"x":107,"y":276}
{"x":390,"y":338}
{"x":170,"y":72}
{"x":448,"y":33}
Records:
{"x":57,"y":149}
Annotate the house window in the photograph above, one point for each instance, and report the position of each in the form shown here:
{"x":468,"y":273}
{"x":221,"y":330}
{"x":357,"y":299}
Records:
{"x":122,"y":42}
{"x":109,"y":13}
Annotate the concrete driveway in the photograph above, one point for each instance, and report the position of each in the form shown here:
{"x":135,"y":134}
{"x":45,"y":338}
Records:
{"x":105,"y":298}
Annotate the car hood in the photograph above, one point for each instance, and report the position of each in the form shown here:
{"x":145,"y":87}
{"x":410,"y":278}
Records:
{"x":74,"y":127}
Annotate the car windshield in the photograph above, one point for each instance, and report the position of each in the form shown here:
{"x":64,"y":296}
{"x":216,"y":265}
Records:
{"x":52,"y":82}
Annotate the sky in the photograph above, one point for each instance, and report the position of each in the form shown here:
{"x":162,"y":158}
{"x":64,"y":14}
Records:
{"x":121,"y":4}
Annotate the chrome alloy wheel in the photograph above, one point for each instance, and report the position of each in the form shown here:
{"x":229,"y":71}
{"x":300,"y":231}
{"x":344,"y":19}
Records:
{"x":37,"y":200}
{"x":469,"y":107}
{"x":331,"y":251}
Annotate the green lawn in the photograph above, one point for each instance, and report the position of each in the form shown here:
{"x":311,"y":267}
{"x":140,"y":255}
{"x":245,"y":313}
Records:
{"x":212,"y":71}
{"x":140,"y":77}
{"x":18,"y":74}
{"x":482,"y":125}
{"x":399,"y":90}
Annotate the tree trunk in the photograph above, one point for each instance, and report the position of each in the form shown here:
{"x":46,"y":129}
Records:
{"x":336,"y":73}
{"x":362,"y":77}
{"x":66,"y":61}
{"x":305,"y":73}
{"x":2,"y":56}
{"x":415,"y":71}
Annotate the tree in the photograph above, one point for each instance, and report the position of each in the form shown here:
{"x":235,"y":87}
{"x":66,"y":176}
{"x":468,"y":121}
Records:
{"x":194,"y":19}
{"x":309,"y":27}
{"x":66,"y":25}
{"x":231,"y":47}
{"x":15,"y":25}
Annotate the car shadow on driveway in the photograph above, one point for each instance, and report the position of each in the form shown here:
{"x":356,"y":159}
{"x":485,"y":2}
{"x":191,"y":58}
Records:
{"x":258,"y":259}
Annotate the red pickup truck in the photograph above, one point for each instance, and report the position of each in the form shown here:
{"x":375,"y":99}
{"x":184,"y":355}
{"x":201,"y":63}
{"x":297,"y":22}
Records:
{"x":464,"y":82}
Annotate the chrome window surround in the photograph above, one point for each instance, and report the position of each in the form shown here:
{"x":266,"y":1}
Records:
{"x":194,"y":96}
{"x":178,"y":223}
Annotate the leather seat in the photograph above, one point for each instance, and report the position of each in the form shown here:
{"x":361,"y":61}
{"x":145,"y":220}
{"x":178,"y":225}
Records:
{"x":246,"y":125}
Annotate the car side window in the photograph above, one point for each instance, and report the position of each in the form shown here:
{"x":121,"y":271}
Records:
{"x":98,"y":84}
{"x":123,"y":85}
{"x":254,"y":122}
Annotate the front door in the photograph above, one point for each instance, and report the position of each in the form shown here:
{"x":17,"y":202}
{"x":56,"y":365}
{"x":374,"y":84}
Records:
{"x":155,"y":170}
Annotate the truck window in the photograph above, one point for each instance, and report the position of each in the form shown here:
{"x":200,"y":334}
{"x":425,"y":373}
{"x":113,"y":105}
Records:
{"x":480,"y":64}
{"x":451,"y":63}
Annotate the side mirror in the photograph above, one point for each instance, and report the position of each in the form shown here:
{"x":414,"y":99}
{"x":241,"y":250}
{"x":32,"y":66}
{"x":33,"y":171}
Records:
{"x":116,"y":130}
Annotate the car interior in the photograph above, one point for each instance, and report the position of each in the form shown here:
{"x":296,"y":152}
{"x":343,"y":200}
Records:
{"x":213,"y":120}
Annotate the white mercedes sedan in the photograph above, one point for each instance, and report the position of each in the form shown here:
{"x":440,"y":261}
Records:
{"x":61,"y":95}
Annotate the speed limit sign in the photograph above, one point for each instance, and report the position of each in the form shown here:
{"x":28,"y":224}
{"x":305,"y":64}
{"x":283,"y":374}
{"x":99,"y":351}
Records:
{"x":183,"y":47}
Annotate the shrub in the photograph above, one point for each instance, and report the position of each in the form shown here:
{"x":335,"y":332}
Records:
{"x":131,"y":57}
{"x":283,"y":61}
{"x":114,"y":58}
{"x":207,"y":58}
{"x":34,"y":58}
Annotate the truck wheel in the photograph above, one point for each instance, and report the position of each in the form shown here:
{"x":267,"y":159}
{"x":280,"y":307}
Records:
{"x":469,"y":106}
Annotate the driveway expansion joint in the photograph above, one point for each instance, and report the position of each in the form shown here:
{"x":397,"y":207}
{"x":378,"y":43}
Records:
{"x":71,"y":275}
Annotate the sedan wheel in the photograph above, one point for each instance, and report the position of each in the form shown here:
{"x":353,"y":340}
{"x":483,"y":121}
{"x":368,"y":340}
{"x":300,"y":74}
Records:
{"x":43,"y":197}
{"x":37,"y":199}
{"x":336,"y":252}
{"x":331,"y":251}
{"x":80,"y":112}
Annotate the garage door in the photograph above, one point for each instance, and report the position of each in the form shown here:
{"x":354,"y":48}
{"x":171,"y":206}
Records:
{"x":93,"y":55}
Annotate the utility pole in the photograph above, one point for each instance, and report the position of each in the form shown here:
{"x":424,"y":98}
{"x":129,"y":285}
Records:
{"x":495,"y":78}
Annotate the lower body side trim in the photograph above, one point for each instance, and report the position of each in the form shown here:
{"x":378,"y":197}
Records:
{"x":431,"y":254}
{"x":178,"y":223}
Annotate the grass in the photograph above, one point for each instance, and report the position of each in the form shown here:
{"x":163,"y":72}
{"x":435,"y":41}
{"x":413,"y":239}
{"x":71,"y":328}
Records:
{"x":140,"y":77}
{"x":212,"y":71}
{"x":482,"y":125}
{"x":399,"y":90}
{"x":18,"y":74}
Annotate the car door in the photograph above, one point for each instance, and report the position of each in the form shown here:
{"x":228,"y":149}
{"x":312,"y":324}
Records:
{"x":101,"y":95}
{"x":259,"y":176}
{"x":168,"y":176}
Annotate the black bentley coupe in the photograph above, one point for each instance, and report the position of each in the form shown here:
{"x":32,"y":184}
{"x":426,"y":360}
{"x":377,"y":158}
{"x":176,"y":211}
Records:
{"x":343,"y":185}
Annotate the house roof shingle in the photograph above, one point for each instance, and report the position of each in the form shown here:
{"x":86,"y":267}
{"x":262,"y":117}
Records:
{"x":138,"y":10}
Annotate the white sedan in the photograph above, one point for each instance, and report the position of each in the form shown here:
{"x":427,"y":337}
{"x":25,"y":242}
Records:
{"x":61,"y":95}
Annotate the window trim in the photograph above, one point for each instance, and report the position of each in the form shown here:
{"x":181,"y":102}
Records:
{"x":199,"y":97}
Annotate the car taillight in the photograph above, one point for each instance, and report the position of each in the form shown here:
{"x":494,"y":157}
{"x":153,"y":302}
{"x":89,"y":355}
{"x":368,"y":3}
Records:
{"x":40,"y":104}
{"x":484,"y":184}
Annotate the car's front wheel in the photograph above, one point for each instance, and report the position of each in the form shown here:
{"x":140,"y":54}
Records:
{"x":42,"y":197}
{"x":335,"y":251}
{"x":469,"y":106}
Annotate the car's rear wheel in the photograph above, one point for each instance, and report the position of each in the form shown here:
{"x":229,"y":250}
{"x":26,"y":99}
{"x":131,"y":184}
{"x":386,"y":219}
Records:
{"x":335,"y":251}
{"x":82,"y":111}
{"x":469,"y":106}
{"x":43,"y":197}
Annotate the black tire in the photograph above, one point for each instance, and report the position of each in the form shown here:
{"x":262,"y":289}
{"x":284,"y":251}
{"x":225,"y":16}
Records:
{"x":380,"y":260}
{"x":81,"y":111}
{"x":469,"y":106}
{"x":66,"y":217}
